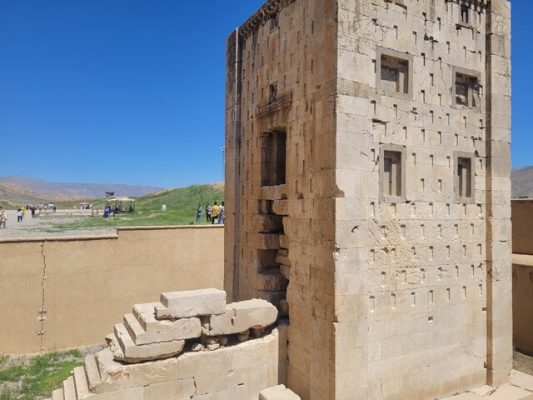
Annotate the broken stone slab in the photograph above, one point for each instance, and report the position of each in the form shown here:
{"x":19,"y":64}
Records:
{"x":279,"y":392}
{"x":144,"y":328}
{"x":124,"y":349}
{"x":280,"y":207}
{"x":192,"y":303}
{"x":242,"y":316}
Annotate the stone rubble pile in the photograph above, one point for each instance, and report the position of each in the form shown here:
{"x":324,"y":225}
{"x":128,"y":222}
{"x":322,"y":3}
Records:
{"x":142,"y":349}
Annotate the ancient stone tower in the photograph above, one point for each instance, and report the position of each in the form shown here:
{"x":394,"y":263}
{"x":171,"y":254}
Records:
{"x":367,"y":191}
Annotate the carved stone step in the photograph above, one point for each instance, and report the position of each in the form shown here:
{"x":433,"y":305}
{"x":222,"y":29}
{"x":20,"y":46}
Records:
{"x":58,"y":394}
{"x":80,"y":380}
{"x":69,"y":389}
{"x":92,"y":372}
{"x":124,"y":349}
{"x":143,"y":311}
{"x":144,"y":328}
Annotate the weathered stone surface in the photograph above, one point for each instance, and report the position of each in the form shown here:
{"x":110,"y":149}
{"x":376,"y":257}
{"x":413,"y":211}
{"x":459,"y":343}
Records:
{"x":279,"y":392}
{"x":176,"y":389}
{"x":194,"y":303}
{"x":242,"y":316}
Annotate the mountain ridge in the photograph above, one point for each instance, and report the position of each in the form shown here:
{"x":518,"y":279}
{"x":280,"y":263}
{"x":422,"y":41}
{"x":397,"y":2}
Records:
{"x":21,"y":190}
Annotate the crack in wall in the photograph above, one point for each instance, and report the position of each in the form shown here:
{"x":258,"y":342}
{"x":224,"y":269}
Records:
{"x":42,"y":311}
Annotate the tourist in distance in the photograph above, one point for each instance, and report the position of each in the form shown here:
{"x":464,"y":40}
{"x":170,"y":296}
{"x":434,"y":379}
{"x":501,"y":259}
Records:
{"x":199,"y":214}
{"x":208,"y":212}
{"x":221,"y":214}
{"x":215,"y":210}
{"x":3,"y":218}
{"x":20,"y":215}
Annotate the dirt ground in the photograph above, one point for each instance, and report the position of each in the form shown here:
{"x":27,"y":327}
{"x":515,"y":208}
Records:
{"x":43,"y":226}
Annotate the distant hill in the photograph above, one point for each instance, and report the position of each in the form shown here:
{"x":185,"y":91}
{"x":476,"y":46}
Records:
{"x":19,"y":188}
{"x":183,"y":199}
{"x":13,"y":195}
{"x":522,"y":182}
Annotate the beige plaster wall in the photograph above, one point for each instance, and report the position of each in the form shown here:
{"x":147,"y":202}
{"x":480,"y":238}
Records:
{"x":89,"y":283}
{"x":522,"y":303}
{"x":522,"y":217}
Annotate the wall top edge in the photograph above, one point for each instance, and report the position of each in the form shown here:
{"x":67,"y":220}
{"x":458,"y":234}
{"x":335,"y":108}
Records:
{"x":74,"y":238}
{"x":267,"y":11}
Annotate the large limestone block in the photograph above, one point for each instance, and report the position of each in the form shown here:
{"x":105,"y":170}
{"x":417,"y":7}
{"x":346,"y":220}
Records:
{"x":279,"y":392}
{"x":193,"y":303}
{"x":243,"y":315}
{"x":124,"y":349}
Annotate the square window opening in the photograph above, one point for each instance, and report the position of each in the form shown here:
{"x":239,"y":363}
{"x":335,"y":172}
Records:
{"x":467,"y":90}
{"x":273,"y":158}
{"x":464,"y":177}
{"x":394,"y":74}
{"x":392,"y":174}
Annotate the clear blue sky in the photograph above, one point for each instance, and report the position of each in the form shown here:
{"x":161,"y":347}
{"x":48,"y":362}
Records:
{"x":132,"y":91}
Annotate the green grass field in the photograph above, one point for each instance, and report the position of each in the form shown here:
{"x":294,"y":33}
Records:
{"x":31,"y":378}
{"x":181,"y":209}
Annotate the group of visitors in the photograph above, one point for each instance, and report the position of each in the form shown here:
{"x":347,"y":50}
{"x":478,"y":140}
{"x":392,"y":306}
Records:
{"x":214,"y":214}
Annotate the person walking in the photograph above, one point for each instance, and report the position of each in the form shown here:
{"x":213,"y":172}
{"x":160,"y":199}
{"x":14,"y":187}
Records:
{"x":221,"y":214}
{"x":208,"y":212}
{"x":215,"y":210}
{"x":3,"y":218}
{"x":20,"y":215}
{"x":199,"y":214}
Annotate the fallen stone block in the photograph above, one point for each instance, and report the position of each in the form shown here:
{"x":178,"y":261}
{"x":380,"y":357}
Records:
{"x":193,"y":303}
{"x":242,"y":316}
{"x":278,"y":393}
{"x":124,"y":349}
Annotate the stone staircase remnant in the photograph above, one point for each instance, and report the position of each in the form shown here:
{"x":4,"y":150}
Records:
{"x":190,"y":345}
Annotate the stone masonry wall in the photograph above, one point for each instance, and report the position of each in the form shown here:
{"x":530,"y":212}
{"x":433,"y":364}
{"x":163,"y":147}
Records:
{"x":279,"y":237}
{"x":395,"y":212}
{"x":412,"y":272}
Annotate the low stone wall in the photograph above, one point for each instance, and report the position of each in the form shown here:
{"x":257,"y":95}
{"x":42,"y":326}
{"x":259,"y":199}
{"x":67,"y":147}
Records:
{"x":523,"y":303}
{"x":65,"y":292}
{"x":522,"y":218}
